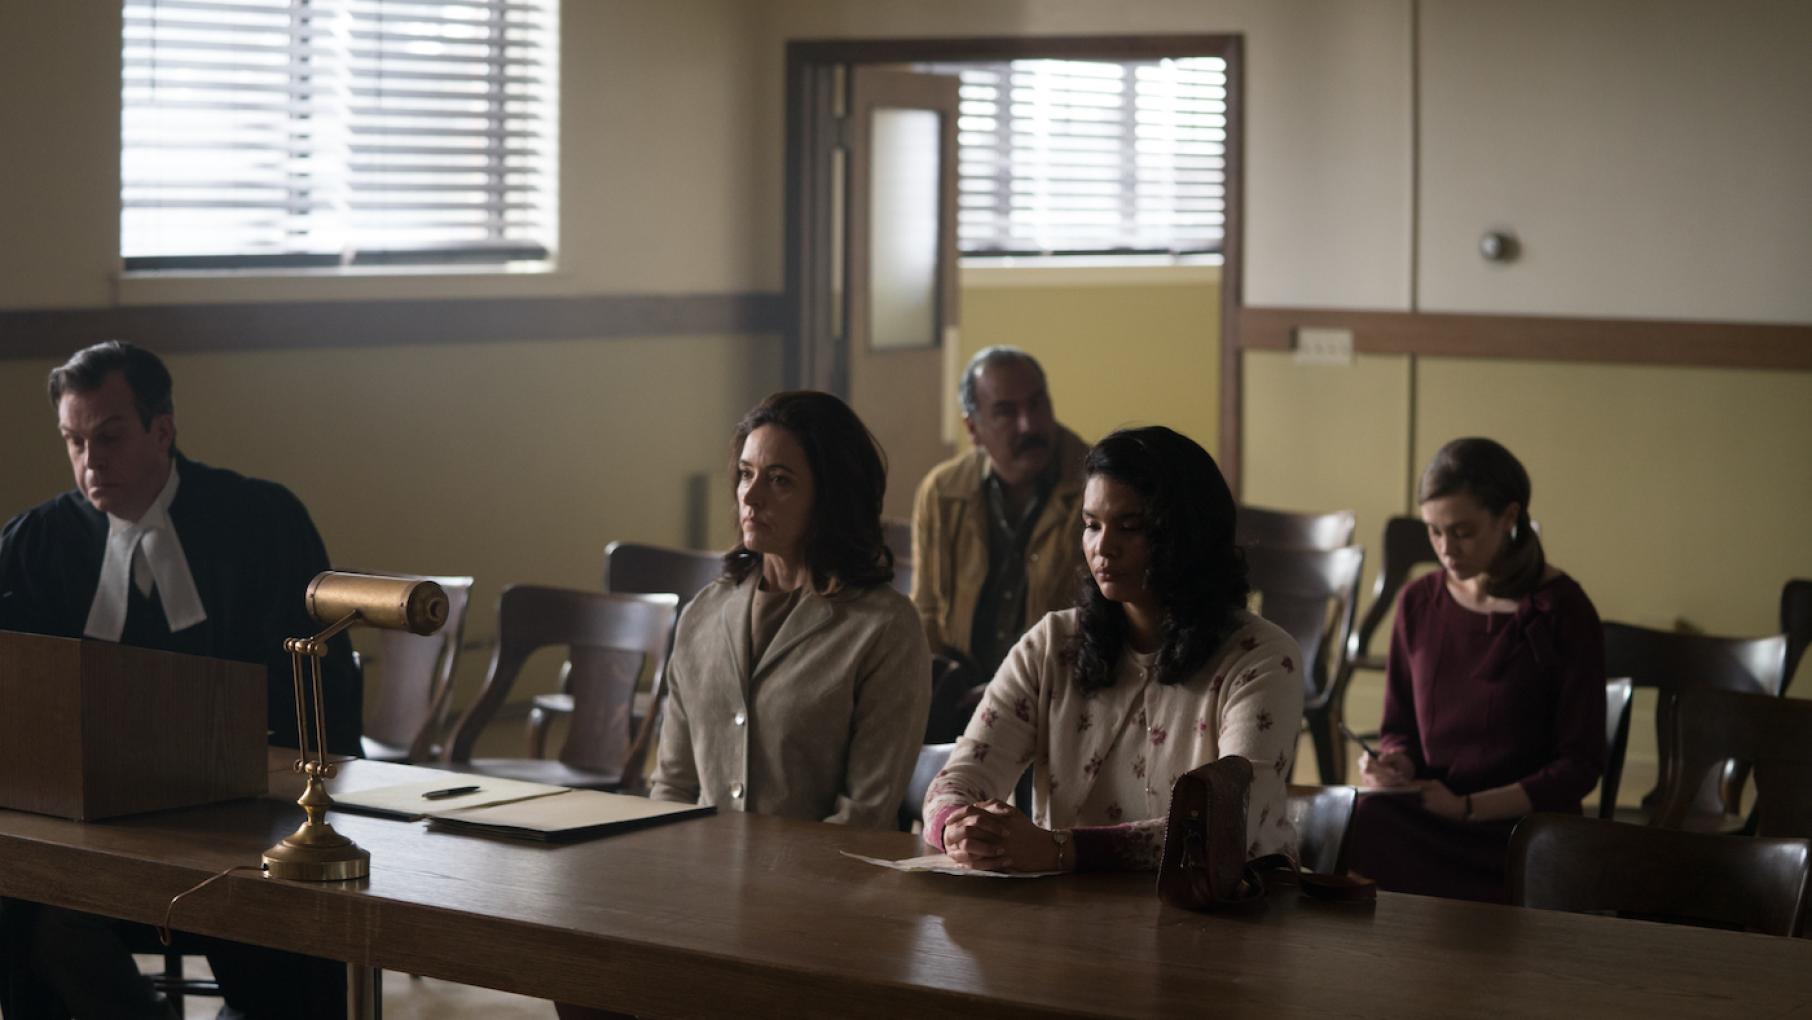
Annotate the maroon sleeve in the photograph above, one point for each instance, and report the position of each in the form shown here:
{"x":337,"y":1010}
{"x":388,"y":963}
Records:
{"x":1399,"y":730}
{"x":1579,"y":722}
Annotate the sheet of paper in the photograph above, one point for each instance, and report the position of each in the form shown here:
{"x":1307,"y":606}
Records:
{"x":941,"y":864}
{"x":407,"y":800}
{"x":577,"y":813}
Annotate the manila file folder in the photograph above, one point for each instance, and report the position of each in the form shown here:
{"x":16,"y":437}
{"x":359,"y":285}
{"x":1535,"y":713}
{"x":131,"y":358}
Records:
{"x":91,"y":729}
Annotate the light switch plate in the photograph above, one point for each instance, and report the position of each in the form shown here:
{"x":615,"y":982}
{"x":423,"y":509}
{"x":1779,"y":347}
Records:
{"x":1323,"y":346}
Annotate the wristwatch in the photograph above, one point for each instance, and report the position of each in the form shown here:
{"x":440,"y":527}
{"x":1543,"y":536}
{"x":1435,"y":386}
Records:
{"x":1061,"y":837}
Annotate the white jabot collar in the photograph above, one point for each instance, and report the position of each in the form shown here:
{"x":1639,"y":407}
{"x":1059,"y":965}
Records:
{"x":152,"y":539}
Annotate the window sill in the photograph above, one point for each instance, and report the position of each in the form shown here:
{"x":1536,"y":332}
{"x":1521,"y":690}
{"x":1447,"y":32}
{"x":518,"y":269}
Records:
{"x":1089,"y":271}
{"x":357,"y":283}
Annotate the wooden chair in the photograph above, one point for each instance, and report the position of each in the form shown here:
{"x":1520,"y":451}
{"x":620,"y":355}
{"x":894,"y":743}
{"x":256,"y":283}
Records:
{"x":1322,"y":817}
{"x":932,"y":758}
{"x":898,"y":535}
{"x":633,"y":569}
{"x":1617,"y":696}
{"x":1672,"y":663}
{"x":1589,"y":865}
{"x":415,"y":683}
{"x":1796,"y":623}
{"x":609,"y":639}
{"x":1288,"y":529}
{"x":1406,"y":546}
{"x":1772,"y":735}
{"x":1312,"y":594}
{"x":956,"y":688}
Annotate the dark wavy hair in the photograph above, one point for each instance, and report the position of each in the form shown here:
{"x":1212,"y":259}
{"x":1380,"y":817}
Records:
{"x":144,"y":371}
{"x":844,"y":546}
{"x":1490,"y":474}
{"x":1197,"y":573}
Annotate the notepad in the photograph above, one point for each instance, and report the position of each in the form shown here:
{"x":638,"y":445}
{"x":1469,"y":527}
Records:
{"x":576,"y":814}
{"x":408,"y":801}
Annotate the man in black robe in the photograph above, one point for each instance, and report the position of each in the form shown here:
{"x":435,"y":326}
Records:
{"x":155,"y":550}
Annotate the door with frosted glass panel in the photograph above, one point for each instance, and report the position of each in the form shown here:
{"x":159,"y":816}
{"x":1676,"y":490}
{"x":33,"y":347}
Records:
{"x":900,"y":268}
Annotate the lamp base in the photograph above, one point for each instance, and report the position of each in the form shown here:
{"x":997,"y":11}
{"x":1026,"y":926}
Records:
{"x":315,"y":852}
{"x":322,"y":855}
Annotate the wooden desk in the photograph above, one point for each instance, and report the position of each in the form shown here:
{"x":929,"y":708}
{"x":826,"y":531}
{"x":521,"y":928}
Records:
{"x":738,"y":914}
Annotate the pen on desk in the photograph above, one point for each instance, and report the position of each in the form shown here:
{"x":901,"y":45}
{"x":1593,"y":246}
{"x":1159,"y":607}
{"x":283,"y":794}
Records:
{"x":1357,"y":739}
{"x":451,"y":791}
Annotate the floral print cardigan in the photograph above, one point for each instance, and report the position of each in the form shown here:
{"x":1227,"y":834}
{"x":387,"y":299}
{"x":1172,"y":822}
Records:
{"x":1104,"y":762}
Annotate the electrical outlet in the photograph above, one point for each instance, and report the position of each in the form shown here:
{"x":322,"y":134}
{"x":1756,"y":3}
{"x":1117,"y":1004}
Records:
{"x":1324,"y":346}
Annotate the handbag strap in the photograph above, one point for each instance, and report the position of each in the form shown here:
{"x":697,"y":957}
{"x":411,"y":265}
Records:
{"x":1283,"y":869}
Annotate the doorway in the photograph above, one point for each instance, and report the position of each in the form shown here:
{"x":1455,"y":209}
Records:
{"x":872,"y":207}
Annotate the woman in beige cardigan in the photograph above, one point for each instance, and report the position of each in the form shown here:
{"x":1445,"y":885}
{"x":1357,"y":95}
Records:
{"x":800,"y":679}
{"x":1158,"y":670}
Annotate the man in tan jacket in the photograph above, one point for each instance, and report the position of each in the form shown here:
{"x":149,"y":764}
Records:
{"x":996,"y":532}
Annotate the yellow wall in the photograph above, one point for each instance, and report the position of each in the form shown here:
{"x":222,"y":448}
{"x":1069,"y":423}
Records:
{"x":1133,"y":346}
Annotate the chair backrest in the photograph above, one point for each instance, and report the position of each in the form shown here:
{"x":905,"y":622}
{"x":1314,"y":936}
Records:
{"x":1322,"y":817}
{"x":636,"y":569}
{"x":1406,"y":544}
{"x":932,"y":759}
{"x":897,"y":532}
{"x":1796,"y":623}
{"x":1771,"y":735}
{"x":1569,"y":862}
{"x":1311,"y":594}
{"x":1672,"y":663}
{"x":1257,"y":525}
{"x":415,"y":677}
{"x":1617,"y":696}
{"x":609,"y":638}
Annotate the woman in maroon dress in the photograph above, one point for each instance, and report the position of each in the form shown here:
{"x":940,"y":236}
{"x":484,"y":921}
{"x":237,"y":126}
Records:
{"x":1495,"y":700}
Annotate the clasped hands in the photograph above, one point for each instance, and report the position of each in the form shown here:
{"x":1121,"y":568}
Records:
{"x":992,"y":835}
{"x":1393,"y":768}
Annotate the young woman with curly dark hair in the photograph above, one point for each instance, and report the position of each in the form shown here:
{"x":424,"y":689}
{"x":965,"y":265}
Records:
{"x":1159,"y":669}
{"x":799,"y":680}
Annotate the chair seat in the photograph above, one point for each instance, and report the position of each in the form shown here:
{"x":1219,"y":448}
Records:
{"x":536,"y":770}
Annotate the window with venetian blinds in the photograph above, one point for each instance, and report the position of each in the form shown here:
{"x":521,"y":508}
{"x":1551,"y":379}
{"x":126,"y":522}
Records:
{"x":337,"y":132}
{"x":1091,"y":157}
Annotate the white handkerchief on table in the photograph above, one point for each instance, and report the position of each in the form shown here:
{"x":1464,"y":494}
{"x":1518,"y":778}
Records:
{"x":941,"y":864}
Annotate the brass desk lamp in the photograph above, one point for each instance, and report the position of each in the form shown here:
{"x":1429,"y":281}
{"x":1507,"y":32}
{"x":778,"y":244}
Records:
{"x":315,"y":852}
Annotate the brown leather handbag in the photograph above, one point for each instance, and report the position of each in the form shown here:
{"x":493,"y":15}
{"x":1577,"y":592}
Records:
{"x":1205,"y":866}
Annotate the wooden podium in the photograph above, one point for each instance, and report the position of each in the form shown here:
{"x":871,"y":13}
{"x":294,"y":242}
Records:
{"x":91,"y":729}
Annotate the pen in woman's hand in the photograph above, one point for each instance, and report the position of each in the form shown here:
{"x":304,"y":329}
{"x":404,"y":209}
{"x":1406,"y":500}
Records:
{"x":1357,"y":739}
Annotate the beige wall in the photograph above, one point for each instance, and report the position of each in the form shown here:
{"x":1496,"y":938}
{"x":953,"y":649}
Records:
{"x":1134,"y":346}
{"x":1653,"y":158}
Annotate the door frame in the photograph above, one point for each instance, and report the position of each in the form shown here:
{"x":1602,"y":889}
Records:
{"x":814,"y":85}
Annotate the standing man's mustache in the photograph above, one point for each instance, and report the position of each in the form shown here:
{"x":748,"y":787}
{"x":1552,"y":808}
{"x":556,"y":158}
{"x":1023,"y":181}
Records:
{"x":1029,"y":443}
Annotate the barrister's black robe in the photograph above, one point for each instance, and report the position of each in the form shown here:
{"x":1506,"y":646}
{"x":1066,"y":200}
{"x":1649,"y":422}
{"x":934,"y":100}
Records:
{"x":252,"y":550}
